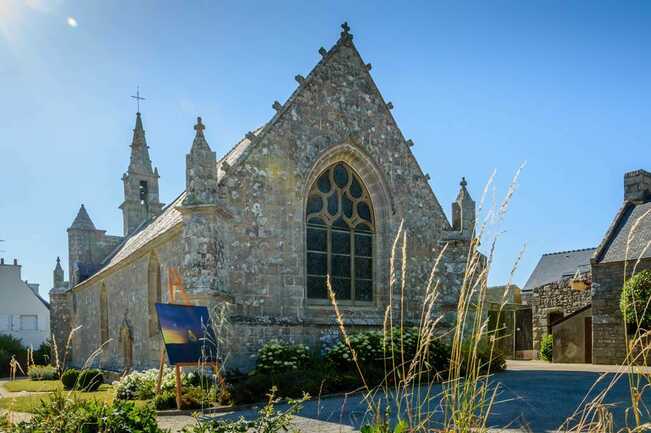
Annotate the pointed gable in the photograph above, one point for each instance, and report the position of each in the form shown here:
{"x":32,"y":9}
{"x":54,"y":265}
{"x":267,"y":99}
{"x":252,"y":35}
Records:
{"x":339,"y":102}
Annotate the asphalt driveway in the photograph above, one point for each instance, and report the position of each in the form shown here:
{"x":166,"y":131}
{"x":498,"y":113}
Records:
{"x":528,"y":400}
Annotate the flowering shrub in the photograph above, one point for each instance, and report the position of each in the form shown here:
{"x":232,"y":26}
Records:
{"x":368,"y":346}
{"x":141,"y":385}
{"x":277,"y":356}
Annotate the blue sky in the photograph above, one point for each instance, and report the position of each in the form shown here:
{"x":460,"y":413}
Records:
{"x":478,"y":86}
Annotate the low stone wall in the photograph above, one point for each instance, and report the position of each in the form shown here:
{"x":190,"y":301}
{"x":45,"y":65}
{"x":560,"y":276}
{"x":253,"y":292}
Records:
{"x":558,"y":297}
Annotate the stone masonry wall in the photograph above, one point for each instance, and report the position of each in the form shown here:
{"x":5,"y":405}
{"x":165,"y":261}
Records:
{"x":127,"y":290}
{"x":60,"y":318}
{"x":554,"y":297}
{"x":336,"y":115}
{"x":608,"y":329}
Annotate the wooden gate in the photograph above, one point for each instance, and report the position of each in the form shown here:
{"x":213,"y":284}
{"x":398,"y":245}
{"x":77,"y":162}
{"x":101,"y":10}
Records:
{"x":587,"y":329}
{"x":523,"y":330}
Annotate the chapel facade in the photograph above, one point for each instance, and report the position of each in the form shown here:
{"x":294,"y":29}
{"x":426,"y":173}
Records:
{"x":321,"y":189}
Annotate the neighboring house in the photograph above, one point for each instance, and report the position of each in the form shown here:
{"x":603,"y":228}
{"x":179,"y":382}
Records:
{"x":320,"y":189}
{"x":625,"y":249}
{"x":575,"y":294}
{"x":23,"y":313}
{"x":550,"y":293}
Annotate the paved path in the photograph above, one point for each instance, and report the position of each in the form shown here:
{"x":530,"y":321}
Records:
{"x":594,"y":368}
{"x":538,"y":399}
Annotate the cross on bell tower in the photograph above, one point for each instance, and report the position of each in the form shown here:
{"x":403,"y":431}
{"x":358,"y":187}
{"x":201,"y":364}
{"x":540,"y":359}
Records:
{"x":141,"y":200}
{"x":138,"y":98}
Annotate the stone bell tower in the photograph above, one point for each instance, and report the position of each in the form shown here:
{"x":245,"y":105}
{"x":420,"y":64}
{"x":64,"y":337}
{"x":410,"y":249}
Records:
{"x":141,"y":202}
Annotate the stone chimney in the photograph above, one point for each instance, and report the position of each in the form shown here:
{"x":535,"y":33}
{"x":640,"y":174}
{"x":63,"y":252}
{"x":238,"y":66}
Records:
{"x":637,"y":185}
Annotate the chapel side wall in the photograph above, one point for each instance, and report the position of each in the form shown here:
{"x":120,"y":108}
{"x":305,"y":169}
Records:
{"x":266,"y":191}
{"x":554,"y":297}
{"x":608,"y":329}
{"x":127,"y":290}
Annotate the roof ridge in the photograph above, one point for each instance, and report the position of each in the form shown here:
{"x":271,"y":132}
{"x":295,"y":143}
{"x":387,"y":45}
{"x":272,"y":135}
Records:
{"x":569,"y":251}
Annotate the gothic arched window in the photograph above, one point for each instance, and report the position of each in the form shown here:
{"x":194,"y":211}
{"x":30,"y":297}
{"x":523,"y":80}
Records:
{"x":153,"y":293}
{"x":103,"y":315}
{"x":340,"y":231}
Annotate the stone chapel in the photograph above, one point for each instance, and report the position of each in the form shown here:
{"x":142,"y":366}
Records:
{"x":320,"y":189}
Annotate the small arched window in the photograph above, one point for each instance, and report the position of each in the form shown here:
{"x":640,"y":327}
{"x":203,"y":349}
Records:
{"x":340,"y":232}
{"x":103,"y":315}
{"x":153,"y":293}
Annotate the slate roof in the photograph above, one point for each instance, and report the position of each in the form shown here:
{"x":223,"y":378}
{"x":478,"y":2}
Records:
{"x":147,"y":232}
{"x":554,"y":266}
{"x":82,"y":220}
{"x":629,"y":236}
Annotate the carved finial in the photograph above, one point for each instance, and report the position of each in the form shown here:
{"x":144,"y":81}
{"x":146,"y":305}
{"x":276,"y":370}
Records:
{"x":463,"y":182}
{"x":300,"y":79}
{"x":427,"y":176}
{"x":58,"y":260}
{"x":250,"y":136}
{"x":323,"y":51}
{"x":390,"y":105}
{"x":276,"y":106}
{"x":410,"y":142}
{"x":345,"y":34}
{"x":369,"y":66}
{"x":199,"y":127}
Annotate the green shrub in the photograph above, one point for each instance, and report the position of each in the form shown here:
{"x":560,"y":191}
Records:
{"x":634,"y":298}
{"x":5,"y":424}
{"x":64,"y":414}
{"x":193,"y":397}
{"x":165,"y":400}
{"x":69,"y":378}
{"x":269,"y":420}
{"x":42,"y":372}
{"x":546,"y":347}
{"x":9,"y":346}
{"x":490,"y":359}
{"x":90,"y":380}
{"x":43,"y":355}
{"x":277,"y":357}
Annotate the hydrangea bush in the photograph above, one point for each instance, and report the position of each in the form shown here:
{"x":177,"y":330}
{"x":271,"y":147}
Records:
{"x":141,"y":385}
{"x":373,"y":347}
{"x":277,"y":356}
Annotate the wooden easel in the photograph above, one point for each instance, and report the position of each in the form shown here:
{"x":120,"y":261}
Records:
{"x":174,"y":286}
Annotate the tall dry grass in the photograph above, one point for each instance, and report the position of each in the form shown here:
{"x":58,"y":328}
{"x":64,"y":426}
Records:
{"x":466,"y":397}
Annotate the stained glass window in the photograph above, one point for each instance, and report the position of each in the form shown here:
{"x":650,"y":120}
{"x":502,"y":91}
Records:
{"x":340,"y":231}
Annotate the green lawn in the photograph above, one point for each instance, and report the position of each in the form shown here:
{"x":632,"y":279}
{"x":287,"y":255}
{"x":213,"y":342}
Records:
{"x":33,"y":385}
{"x":30,"y":402}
